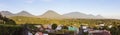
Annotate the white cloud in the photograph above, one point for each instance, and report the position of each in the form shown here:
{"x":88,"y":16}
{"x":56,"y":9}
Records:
{"x":29,"y":1}
{"x":47,"y":0}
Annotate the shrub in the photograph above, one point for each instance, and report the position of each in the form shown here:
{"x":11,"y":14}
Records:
{"x":10,"y":30}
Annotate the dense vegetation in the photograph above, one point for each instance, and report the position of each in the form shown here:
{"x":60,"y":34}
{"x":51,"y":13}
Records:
{"x":8,"y":26}
{"x":10,"y":29}
{"x":74,"y":22}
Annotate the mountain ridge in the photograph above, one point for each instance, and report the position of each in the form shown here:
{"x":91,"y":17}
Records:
{"x":6,"y":13}
{"x":78,"y":15}
{"x":54,"y":15}
{"x":24,"y":13}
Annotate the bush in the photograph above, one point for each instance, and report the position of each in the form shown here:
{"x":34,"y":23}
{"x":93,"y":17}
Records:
{"x":10,"y":30}
{"x":64,"y":27}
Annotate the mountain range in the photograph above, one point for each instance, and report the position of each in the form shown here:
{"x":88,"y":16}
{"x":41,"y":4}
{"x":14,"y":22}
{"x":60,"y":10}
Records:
{"x":78,"y":15}
{"x":53,"y":15}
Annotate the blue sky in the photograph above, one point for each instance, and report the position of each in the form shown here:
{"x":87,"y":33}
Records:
{"x":106,"y":8}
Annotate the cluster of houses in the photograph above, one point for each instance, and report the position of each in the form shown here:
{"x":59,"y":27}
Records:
{"x":49,"y":30}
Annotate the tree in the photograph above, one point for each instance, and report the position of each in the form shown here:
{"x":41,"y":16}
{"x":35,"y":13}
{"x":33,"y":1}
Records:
{"x":11,"y":22}
{"x":1,"y":16}
{"x":8,"y":21}
{"x":54,"y":26}
{"x":1,"y":19}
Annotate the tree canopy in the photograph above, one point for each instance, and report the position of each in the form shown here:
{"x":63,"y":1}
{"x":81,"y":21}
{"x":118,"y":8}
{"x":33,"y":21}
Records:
{"x":5,"y":20}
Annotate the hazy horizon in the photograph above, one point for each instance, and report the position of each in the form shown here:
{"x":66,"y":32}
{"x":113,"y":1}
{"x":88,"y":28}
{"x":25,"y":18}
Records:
{"x":106,"y":8}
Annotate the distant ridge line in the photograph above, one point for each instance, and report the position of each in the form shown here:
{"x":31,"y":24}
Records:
{"x":53,"y":15}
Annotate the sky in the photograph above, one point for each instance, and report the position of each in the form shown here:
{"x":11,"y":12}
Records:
{"x":106,"y":8}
